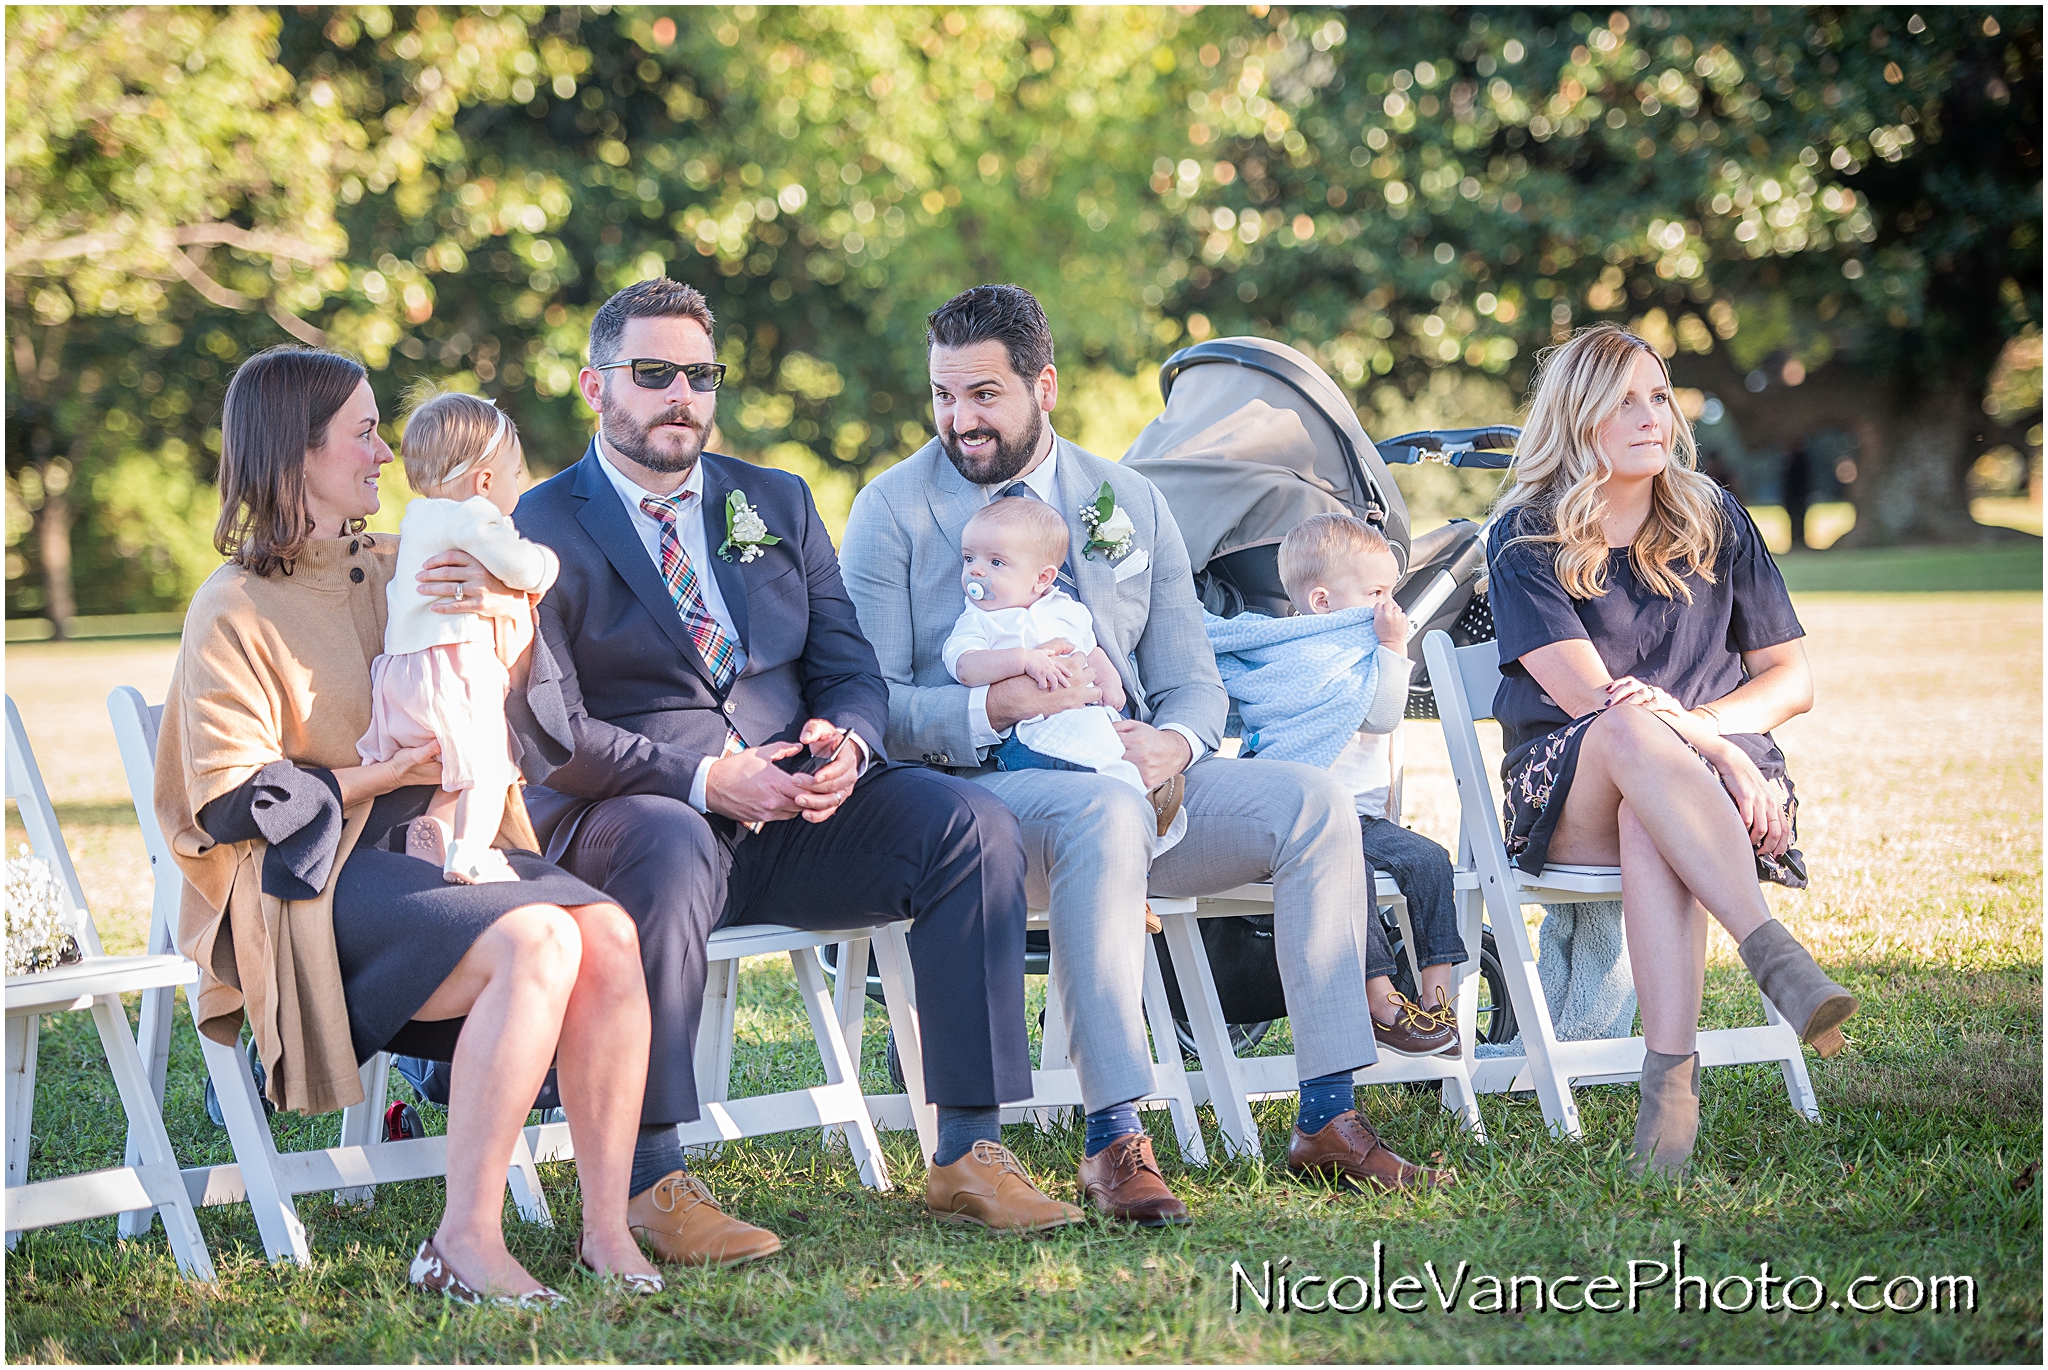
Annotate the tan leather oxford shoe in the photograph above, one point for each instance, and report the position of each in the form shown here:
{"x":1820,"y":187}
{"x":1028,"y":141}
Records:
{"x":679,"y":1222}
{"x":988,"y":1188}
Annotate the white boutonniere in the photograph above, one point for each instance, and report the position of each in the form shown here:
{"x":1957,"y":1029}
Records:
{"x":745,"y":533}
{"x":1110,"y":530}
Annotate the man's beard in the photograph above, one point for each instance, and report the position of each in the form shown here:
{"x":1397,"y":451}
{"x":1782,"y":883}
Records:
{"x":635,"y":442}
{"x":1006,"y":463}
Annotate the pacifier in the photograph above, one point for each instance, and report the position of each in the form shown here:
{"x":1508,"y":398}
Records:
{"x":976,"y":590}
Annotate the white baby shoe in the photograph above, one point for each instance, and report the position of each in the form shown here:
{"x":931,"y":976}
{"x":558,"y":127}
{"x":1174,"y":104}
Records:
{"x":473,"y":863}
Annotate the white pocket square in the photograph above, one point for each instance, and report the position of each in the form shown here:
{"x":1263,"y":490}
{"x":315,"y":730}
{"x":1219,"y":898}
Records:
{"x":1137,"y":563}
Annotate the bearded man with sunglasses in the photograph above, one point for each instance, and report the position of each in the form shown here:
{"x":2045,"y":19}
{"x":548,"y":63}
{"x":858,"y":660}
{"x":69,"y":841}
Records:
{"x":706,"y":650}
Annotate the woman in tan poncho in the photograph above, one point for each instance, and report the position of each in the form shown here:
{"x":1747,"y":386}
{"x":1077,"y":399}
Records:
{"x":303,"y":909}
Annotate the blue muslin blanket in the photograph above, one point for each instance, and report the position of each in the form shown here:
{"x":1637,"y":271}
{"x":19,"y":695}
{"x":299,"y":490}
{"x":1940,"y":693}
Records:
{"x":1303,"y":684}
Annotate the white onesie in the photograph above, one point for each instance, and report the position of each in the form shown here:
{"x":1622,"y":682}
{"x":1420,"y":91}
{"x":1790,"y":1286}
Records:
{"x":1086,"y":736}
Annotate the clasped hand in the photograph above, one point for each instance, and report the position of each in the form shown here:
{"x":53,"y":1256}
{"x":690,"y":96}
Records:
{"x":1760,"y":802}
{"x":748,"y":785}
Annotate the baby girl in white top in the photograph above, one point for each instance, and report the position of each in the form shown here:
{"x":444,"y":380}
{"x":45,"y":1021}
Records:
{"x":1019,"y":622}
{"x":443,"y":677}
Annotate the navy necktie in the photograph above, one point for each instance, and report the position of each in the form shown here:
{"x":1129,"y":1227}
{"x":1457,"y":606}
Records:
{"x":1066,"y":581}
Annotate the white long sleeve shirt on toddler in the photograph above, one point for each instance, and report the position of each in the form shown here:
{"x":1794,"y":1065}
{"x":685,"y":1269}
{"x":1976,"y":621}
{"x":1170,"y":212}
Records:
{"x":478,"y":527}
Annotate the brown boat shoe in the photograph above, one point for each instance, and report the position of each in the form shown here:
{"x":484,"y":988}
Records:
{"x":1122,"y":1181}
{"x":1415,"y":1031}
{"x":679,"y":1222}
{"x":1348,"y":1149}
{"x":988,"y":1188}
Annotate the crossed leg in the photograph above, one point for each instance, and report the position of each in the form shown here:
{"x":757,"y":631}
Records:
{"x":1641,"y":799}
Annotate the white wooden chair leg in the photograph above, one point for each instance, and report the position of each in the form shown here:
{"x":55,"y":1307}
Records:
{"x":1532,"y":1016}
{"x":159,"y":1168}
{"x":714,"y":1043}
{"x":361,"y":1123}
{"x":851,"y":996}
{"x":22,"y":1033}
{"x":277,"y":1219}
{"x":1168,"y":1068}
{"x":1212,"y":1037}
{"x":523,"y":1178}
{"x":153,"y":1041}
{"x":899,"y":989}
{"x":1052,"y":1044}
{"x":842,"y":1075}
{"x":1798,"y":1084}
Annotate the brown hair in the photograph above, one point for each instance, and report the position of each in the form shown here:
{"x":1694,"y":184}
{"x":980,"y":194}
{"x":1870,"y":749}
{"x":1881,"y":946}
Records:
{"x":1037,"y":520}
{"x":660,"y":298}
{"x":1319,"y":545}
{"x":448,"y":432}
{"x":277,"y":409}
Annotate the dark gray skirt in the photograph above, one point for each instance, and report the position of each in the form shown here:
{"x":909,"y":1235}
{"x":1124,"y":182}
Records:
{"x":400,"y":929}
{"x":1538,"y":785}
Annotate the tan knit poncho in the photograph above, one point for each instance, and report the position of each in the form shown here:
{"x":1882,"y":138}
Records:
{"x":275,"y":667}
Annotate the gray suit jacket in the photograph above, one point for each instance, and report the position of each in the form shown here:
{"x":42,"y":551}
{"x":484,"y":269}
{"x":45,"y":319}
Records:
{"x":901,"y":560}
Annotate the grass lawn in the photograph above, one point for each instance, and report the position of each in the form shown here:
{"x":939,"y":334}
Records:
{"x":1920,"y":779}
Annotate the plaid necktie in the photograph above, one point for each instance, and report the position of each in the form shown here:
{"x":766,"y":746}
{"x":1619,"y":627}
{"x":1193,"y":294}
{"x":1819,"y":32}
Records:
{"x":713,"y":645}
{"x":1066,"y":582}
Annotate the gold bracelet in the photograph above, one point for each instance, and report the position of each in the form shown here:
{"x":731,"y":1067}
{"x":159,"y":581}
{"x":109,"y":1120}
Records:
{"x":1720,"y":728}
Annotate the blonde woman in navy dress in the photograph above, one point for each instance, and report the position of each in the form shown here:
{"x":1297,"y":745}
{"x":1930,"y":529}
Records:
{"x":1648,"y":647}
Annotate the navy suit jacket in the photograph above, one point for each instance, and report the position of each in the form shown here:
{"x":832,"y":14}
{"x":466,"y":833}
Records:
{"x":642,"y":710}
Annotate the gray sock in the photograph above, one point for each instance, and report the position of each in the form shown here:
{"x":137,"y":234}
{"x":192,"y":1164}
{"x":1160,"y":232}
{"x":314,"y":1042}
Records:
{"x":961,"y":1128}
{"x":656,"y":1154}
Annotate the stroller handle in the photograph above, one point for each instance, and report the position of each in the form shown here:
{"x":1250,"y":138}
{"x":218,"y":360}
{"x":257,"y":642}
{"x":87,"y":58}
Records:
{"x":1491,"y":448}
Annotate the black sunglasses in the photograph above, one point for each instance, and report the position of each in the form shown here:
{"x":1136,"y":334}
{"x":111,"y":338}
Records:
{"x":652,"y":374}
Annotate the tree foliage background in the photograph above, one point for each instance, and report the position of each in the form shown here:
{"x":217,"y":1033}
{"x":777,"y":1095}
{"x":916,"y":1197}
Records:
{"x":1829,"y":218}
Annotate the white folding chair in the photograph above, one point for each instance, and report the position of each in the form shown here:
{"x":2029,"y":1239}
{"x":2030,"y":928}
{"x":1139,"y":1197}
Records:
{"x":1465,"y":680}
{"x":150,"y":1177}
{"x":1232,"y":1083}
{"x":262,"y":1176}
{"x":835,"y":1105}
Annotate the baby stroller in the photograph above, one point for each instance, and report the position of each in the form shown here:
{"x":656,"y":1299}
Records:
{"x":1256,"y":438}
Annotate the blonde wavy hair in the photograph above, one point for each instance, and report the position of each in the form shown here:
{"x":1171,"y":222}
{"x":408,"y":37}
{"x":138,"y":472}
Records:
{"x":1560,"y":474}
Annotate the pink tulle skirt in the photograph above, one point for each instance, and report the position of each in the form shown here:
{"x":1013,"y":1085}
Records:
{"x":453,"y":694}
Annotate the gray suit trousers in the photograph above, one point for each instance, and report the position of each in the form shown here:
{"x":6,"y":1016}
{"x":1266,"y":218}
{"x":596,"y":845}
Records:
{"x":1087,"y":840}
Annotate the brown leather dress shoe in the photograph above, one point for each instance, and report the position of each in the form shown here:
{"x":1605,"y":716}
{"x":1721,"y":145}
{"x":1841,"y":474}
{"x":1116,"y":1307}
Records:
{"x":1415,"y":1030}
{"x":1348,"y":1149}
{"x":1123,"y":1182}
{"x":679,"y":1222}
{"x":988,"y":1188}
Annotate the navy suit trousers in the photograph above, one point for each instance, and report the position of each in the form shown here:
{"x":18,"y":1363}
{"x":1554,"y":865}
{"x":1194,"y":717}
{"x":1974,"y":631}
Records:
{"x":907,"y":843}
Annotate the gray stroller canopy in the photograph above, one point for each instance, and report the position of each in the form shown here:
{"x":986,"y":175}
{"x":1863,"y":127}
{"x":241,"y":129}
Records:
{"x":1256,"y":438}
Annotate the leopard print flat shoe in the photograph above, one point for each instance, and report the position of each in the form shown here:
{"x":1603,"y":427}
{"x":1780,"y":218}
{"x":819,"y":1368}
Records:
{"x":432,"y":1273}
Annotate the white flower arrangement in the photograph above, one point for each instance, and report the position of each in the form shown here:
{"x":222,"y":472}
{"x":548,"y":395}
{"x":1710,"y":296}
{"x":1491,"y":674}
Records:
{"x":745,"y":531}
{"x":1110,"y":530}
{"x":42,"y":927}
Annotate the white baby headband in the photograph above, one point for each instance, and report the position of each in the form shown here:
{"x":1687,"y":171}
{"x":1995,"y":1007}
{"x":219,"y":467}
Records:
{"x":497,"y":436}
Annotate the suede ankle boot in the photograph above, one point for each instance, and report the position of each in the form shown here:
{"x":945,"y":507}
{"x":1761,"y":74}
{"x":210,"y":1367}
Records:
{"x":1668,"y":1119}
{"x":1813,"y":1004}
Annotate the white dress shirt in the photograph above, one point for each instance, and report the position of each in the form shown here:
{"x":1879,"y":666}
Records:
{"x":1044,"y":483}
{"x":690,"y":532}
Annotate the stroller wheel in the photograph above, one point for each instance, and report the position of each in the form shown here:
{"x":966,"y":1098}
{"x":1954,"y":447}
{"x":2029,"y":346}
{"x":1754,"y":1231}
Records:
{"x":402,"y":1123}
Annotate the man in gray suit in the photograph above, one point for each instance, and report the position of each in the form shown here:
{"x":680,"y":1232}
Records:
{"x":1088,"y":838}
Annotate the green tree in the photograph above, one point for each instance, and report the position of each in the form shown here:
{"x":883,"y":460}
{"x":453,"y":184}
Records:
{"x":170,"y":208}
{"x":1830,"y":218}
